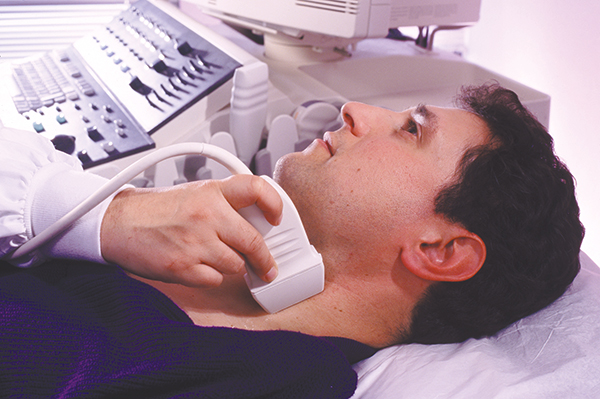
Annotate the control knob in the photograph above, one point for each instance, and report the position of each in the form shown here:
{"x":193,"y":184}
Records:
{"x":64,"y":143}
{"x":184,"y":48}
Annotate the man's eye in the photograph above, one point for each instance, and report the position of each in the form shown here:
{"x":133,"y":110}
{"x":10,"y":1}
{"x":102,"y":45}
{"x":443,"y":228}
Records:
{"x":411,"y":127}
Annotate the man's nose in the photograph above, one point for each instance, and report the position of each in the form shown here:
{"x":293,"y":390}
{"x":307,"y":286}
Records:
{"x":358,"y":117}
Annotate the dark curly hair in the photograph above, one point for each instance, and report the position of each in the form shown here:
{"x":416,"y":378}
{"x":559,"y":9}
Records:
{"x":519,"y":198}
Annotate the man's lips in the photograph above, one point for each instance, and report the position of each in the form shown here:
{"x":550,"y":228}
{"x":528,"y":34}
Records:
{"x":324,"y":144}
{"x":327,"y":141}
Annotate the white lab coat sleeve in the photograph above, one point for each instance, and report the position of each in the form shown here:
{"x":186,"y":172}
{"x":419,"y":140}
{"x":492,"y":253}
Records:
{"x":38,"y":185}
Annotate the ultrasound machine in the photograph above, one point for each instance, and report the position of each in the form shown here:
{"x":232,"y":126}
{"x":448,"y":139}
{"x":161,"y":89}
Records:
{"x":155,"y":76}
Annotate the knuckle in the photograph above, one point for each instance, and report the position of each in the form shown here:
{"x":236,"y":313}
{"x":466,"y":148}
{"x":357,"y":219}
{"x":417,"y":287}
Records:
{"x":172,"y":267}
{"x":176,"y":269}
{"x":238,"y":265}
{"x":254,"y":186}
{"x":230,"y":263}
{"x":208,"y":279}
{"x":254,"y":243}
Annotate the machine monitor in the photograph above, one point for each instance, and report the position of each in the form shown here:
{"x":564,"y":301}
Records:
{"x":337,"y":23}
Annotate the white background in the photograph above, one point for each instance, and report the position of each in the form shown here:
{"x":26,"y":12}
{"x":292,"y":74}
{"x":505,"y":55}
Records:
{"x":553,"y":46}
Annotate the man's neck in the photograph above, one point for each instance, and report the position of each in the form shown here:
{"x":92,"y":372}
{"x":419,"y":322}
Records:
{"x":335,"y":312}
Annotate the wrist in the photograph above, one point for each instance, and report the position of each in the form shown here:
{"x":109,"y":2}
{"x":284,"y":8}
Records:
{"x":56,"y":191}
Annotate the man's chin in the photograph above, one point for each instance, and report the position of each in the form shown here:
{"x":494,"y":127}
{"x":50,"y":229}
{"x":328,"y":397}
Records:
{"x":284,"y":167}
{"x":278,"y":173}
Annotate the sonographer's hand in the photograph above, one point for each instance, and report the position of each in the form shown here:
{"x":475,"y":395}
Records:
{"x":191,"y":233}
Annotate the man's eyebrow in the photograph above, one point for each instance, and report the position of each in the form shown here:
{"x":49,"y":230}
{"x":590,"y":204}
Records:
{"x":425,"y":117}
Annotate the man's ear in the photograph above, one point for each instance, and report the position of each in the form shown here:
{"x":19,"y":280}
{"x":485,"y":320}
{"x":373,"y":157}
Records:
{"x":445,"y":252}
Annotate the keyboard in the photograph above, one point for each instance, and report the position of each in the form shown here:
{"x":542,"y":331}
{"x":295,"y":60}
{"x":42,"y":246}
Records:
{"x":102,"y":97}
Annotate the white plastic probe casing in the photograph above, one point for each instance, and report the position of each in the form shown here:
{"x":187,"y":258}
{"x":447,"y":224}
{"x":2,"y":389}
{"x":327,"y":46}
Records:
{"x":301,"y":270}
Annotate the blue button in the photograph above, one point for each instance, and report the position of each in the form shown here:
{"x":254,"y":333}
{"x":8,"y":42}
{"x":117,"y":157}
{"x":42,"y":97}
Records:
{"x":38,"y":127}
{"x":60,"y":118}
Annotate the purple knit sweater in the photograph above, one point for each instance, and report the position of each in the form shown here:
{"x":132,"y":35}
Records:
{"x":73,"y":329}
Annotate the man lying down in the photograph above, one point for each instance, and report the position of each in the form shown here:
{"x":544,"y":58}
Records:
{"x":435,"y":225}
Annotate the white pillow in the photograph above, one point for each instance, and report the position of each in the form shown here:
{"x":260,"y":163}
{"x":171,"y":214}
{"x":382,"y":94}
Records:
{"x":554,"y":353}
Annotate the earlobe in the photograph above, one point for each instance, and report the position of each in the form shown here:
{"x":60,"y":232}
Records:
{"x":456,"y":255}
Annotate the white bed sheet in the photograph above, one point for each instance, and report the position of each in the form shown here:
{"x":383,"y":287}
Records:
{"x":554,"y":353}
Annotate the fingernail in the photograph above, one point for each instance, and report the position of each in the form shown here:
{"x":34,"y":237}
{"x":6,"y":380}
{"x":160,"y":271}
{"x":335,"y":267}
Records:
{"x":271,"y":274}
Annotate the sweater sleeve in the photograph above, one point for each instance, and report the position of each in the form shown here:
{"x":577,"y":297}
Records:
{"x":38,"y":185}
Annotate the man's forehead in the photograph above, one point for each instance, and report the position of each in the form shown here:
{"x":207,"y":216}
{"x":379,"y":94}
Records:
{"x":448,"y":115}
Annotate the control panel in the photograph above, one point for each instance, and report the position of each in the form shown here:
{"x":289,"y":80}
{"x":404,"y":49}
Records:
{"x":103,"y":97}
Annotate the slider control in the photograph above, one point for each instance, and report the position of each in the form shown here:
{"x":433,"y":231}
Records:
{"x":196,"y":67}
{"x":176,"y":87}
{"x":139,"y":86}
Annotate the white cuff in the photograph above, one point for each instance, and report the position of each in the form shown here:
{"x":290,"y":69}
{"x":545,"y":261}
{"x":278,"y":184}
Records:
{"x":57,"y":190}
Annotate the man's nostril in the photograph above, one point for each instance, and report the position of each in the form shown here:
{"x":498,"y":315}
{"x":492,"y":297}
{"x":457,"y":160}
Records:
{"x":349,"y":119}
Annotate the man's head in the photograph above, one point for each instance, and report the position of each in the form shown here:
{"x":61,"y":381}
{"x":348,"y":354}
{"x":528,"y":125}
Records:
{"x":520,"y":199}
{"x":369,"y":196}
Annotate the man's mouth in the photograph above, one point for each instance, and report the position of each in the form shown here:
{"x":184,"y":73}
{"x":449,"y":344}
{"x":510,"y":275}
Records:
{"x":327,"y":140}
